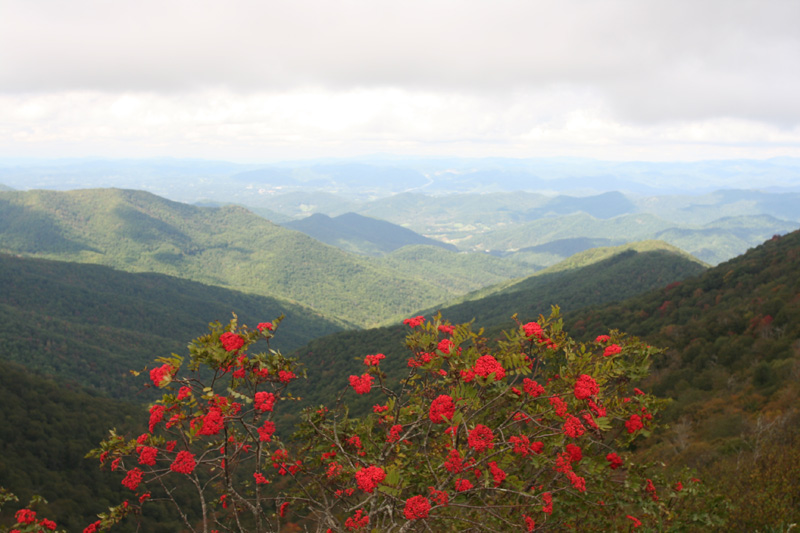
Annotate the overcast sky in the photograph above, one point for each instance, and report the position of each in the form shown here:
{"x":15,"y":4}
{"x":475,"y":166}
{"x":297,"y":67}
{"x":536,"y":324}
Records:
{"x":264,"y":80}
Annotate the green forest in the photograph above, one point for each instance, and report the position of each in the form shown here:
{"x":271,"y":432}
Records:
{"x":73,"y":329}
{"x":229,"y":247}
{"x":90,"y":324}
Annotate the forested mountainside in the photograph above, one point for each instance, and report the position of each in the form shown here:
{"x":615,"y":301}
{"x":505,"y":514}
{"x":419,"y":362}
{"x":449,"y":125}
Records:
{"x":591,"y":277}
{"x":229,"y":246}
{"x":46,"y":429}
{"x":460,"y":272}
{"x":626,"y":272}
{"x":733,"y":333}
{"x":92,"y":324}
{"x":360,"y":234}
{"x":732,"y":366}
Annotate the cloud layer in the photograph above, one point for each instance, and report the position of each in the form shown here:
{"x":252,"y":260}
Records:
{"x":513,"y":77}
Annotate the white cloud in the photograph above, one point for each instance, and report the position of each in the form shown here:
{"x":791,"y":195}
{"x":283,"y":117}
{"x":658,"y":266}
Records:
{"x":248,"y":78}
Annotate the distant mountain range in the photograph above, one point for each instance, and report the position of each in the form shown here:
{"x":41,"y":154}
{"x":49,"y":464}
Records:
{"x":379,"y":176}
{"x":232,"y":247}
{"x":713,"y":242}
{"x":714,"y":227}
{"x":502,"y":206}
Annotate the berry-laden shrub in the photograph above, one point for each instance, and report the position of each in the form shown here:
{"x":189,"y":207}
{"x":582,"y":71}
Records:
{"x":527,"y":433}
{"x":26,"y":520}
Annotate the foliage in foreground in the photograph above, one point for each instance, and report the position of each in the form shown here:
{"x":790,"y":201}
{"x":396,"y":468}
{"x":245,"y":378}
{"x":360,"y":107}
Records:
{"x":530,"y":433}
{"x":26,"y":519}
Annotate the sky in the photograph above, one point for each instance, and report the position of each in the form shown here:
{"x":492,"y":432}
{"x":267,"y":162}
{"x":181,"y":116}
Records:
{"x":266,"y":80}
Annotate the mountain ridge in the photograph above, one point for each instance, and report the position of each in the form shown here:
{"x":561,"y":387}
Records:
{"x":227,"y":246}
{"x":360,"y":234}
{"x":730,"y":367}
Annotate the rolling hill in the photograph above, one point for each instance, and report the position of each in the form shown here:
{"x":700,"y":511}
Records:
{"x":584,"y":258}
{"x":228,"y":246}
{"x":591,"y":277}
{"x":630,"y":227}
{"x":453,"y":217}
{"x":359,"y":234}
{"x":550,"y":253}
{"x":726,"y":237}
{"x":706,"y":208}
{"x":603,"y":206}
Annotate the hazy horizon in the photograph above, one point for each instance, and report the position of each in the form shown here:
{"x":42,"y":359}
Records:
{"x":376,"y":176}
